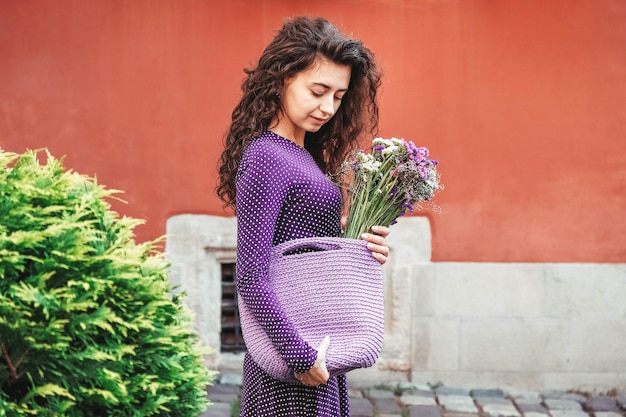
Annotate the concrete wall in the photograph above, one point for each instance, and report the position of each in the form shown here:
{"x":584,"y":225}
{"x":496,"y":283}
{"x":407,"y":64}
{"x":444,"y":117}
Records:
{"x":557,"y":326}
{"x":519,"y":325}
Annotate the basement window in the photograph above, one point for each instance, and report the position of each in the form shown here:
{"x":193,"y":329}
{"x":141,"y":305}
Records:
{"x":231,"y":337}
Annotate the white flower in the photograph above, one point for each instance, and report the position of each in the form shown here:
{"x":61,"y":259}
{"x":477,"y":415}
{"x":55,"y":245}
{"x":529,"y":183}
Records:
{"x":371,"y":166}
{"x":381,"y":141}
{"x":364,"y":158}
{"x":391,"y":149}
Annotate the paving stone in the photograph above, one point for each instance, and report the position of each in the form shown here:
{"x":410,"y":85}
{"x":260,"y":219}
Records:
{"x":386,"y":406}
{"x":451,"y":391}
{"x":419,"y":392}
{"x":458,"y":403}
{"x":223,"y":389}
{"x":223,"y":393}
{"x":621,"y":400}
{"x":562,"y":404}
{"x":603,"y":403}
{"x":418,"y":397}
{"x":482,"y":401}
{"x":491,"y":393}
{"x":524,"y":395}
{"x":568,"y":413}
{"x":230,"y":378}
{"x":217,"y":410}
{"x":380,"y":393}
{"x":449,"y":414}
{"x":531,"y":408}
{"x":423,"y":387}
{"x":406,"y":386}
{"x":608,"y":414}
{"x":413,"y":399}
{"x":576,"y":397}
{"x":528,"y":401}
{"x":507,"y":410}
{"x":560,"y":395}
{"x":223,"y":398}
{"x":534,"y":414}
{"x":425,"y":411}
{"x":361,"y":407}
{"x":355,"y":393}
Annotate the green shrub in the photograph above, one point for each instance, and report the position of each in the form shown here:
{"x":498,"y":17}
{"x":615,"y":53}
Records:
{"x":88,"y":325}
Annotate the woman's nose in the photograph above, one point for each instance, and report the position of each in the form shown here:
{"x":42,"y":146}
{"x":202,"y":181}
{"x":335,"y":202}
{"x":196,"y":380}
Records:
{"x":328,"y":104}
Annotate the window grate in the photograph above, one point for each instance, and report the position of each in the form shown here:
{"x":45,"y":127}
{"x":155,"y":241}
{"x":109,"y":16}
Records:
{"x":231,"y":337}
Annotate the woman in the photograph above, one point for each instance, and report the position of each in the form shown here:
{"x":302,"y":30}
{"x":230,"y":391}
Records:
{"x":304,"y":107}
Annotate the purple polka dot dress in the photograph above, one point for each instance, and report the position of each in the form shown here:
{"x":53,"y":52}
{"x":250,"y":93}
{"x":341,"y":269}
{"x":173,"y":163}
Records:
{"x":282,"y":195}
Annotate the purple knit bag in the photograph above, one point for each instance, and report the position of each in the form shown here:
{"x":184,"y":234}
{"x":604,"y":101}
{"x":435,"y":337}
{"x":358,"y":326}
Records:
{"x":335,"y":290}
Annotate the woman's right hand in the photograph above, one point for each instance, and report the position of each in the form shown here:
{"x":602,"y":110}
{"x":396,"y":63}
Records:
{"x":318,"y":374}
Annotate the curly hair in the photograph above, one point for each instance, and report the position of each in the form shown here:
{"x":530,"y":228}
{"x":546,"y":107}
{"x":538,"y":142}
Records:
{"x":295,"y":48}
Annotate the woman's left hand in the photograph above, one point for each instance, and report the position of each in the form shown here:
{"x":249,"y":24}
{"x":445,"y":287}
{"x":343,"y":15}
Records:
{"x":376,"y":241}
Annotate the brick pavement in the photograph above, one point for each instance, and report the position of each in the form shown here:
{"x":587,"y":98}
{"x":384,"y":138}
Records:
{"x":407,"y":400}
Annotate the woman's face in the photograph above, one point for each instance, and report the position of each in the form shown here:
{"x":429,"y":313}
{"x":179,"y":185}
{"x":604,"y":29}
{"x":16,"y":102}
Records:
{"x":310,"y":98}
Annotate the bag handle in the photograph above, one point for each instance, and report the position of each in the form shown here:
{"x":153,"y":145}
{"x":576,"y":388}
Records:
{"x":318,"y":243}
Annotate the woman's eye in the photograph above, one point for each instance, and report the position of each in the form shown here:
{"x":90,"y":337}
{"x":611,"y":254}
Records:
{"x":339,"y":98}
{"x":317,"y":94}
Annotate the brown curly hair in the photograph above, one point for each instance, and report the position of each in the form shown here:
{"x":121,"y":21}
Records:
{"x":295,"y":48}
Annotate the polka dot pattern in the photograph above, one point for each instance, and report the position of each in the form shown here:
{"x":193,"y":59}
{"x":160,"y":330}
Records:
{"x":282,"y":195}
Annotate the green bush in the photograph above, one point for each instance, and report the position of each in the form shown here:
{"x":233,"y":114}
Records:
{"x":88,"y":325}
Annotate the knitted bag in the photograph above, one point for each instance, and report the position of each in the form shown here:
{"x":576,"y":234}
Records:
{"x":335,"y":290}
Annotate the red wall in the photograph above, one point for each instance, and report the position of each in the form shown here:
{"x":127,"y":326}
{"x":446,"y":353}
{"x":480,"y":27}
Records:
{"x":523,"y":102}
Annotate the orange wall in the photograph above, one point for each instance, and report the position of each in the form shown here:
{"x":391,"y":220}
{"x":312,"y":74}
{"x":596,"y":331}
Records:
{"x":523,"y":102}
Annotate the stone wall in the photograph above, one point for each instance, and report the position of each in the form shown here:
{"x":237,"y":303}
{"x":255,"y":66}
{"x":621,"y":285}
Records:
{"x":520,"y":325}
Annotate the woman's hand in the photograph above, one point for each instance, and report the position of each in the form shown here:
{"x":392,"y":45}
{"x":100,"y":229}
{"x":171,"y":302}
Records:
{"x":376,"y":241}
{"x":318,"y":374}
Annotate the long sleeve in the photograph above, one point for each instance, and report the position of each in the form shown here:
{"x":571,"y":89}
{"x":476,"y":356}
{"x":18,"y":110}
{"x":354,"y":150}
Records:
{"x":263,"y":185}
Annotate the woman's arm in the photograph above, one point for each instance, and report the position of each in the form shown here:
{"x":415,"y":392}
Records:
{"x":261,"y":190}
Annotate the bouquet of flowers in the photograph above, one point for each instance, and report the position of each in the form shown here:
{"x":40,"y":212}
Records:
{"x":387,"y":183}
